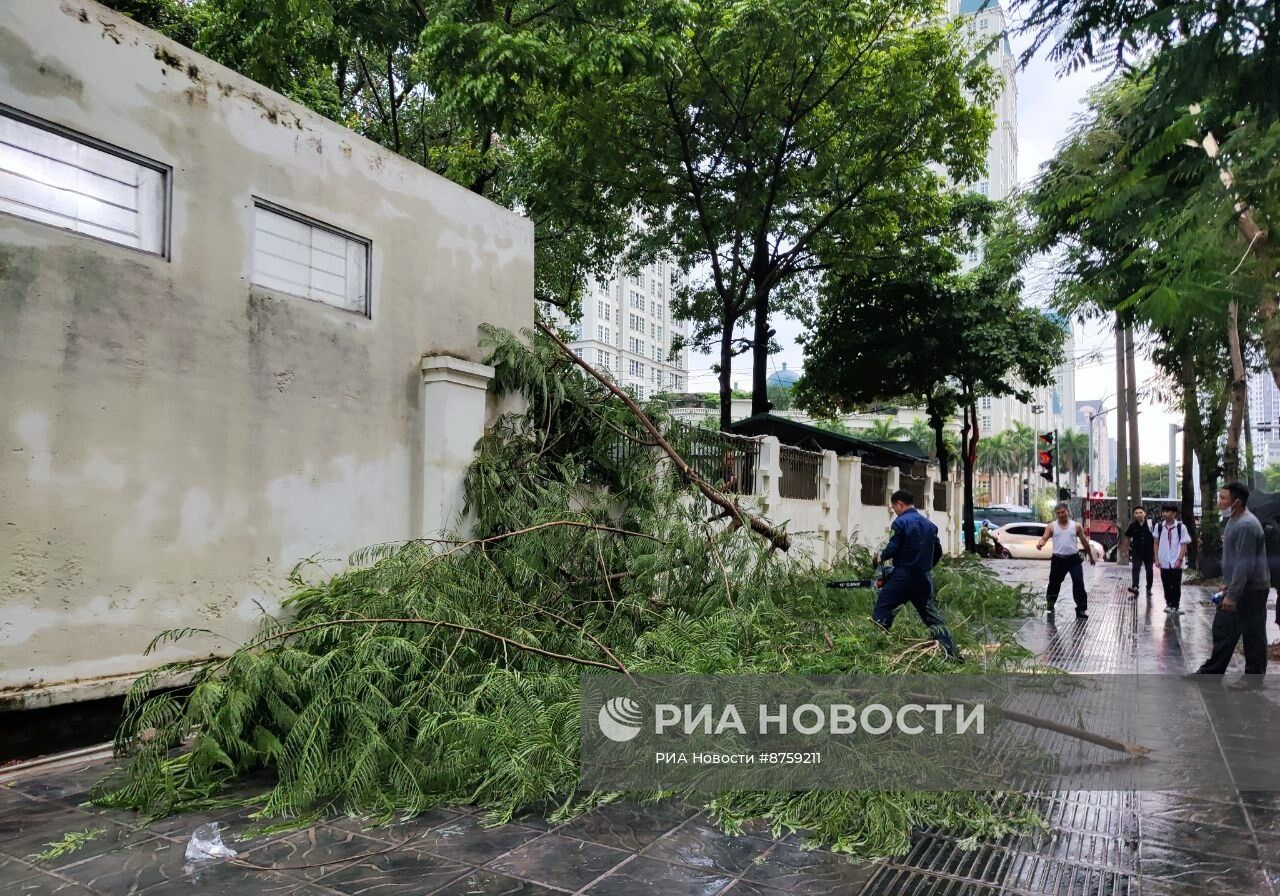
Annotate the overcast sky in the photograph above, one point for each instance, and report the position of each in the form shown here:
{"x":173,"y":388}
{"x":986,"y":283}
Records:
{"x":1047,"y":104}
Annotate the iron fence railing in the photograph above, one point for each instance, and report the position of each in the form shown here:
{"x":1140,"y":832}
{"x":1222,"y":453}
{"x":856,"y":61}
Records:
{"x":875,"y":486}
{"x":801,"y":474}
{"x":726,"y":461}
{"x":916,"y":485}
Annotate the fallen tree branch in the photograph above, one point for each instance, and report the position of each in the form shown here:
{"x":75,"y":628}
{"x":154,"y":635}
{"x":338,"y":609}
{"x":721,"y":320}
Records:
{"x":506,"y":642}
{"x":776,"y":537}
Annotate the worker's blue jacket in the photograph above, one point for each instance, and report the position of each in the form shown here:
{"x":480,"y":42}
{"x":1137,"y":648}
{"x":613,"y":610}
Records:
{"x":912,"y":547}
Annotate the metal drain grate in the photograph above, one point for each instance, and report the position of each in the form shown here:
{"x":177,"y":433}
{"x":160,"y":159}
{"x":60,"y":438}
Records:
{"x":1091,"y":847}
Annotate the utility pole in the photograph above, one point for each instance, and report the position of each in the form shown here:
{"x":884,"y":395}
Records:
{"x":1135,"y":463}
{"x":1174,"y":429}
{"x":1122,"y":444}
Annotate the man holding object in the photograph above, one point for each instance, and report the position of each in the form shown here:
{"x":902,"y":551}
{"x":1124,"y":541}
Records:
{"x":1242,"y":614}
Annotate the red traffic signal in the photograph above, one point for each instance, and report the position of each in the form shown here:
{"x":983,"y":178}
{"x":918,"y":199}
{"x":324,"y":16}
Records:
{"x":1046,"y":456}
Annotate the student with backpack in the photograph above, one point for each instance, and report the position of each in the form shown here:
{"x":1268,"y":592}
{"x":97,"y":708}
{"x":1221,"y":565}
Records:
{"x":1142,"y":551}
{"x":1172,"y":539}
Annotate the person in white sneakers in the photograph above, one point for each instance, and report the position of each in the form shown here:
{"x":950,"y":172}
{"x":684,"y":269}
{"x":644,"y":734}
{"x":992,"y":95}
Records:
{"x":1172,"y":539}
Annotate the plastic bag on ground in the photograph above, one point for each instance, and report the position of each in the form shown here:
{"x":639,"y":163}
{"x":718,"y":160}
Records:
{"x":206,"y":845}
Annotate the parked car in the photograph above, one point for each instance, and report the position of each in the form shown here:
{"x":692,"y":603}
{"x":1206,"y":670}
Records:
{"x":1020,"y":540}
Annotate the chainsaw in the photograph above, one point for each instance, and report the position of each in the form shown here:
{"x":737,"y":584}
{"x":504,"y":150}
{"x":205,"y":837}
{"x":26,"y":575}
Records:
{"x":875,"y":582}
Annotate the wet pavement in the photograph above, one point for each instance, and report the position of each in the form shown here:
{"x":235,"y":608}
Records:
{"x":1107,"y":843}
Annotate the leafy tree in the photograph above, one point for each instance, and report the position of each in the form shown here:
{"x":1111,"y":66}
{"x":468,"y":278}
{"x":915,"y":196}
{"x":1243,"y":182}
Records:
{"x":1073,"y":455}
{"x":886,"y":429}
{"x":893,"y":332}
{"x":791,"y":138}
{"x":1155,"y":481}
{"x":922,"y":434}
{"x":780,"y":397}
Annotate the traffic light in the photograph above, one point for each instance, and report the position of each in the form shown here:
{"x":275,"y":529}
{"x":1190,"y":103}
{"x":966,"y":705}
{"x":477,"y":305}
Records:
{"x":1046,"y":455}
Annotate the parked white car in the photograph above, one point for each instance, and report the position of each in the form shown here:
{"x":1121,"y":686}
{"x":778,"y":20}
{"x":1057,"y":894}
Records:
{"x":1021,"y":538}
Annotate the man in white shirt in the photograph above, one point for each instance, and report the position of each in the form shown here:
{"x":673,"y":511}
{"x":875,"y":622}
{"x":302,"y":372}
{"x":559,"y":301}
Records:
{"x":1172,"y":539}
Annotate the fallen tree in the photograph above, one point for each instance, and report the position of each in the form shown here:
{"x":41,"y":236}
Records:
{"x":446,"y":670}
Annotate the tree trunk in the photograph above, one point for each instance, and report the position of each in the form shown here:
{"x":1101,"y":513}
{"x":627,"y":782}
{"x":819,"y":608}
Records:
{"x":1122,"y":444}
{"x":1131,"y":382}
{"x":969,"y":438}
{"x":1250,"y":476}
{"x":1231,"y":453}
{"x":939,"y":442}
{"x":760,"y":354}
{"x":1190,"y":439}
{"x":726,"y":375}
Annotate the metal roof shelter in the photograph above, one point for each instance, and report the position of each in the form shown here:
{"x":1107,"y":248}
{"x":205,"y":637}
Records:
{"x":907,"y":456}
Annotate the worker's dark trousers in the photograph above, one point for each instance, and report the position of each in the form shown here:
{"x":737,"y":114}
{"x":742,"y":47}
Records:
{"x":1171,"y":582}
{"x":917,"y":590}
{"x":1248,"y":621}
{"x":1059,"y":569}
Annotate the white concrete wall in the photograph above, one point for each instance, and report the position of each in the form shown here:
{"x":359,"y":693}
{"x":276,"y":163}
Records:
{"x":173,"y":441}
{"x":823,"y":527}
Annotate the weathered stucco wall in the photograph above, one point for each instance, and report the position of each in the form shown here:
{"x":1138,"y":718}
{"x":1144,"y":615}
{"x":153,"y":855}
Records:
{"x":173,"y":441}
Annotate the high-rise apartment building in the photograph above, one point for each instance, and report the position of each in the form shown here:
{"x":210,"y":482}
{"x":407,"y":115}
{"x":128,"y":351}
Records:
{"x":627,"y":329}
{"x":1264,"y":418}
{"x":1091,"y":418}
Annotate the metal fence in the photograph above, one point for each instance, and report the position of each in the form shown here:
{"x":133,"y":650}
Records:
{"x":916,"y":485}
{"x":726,"y":461}
{"x":875,"y":486}
{"x":801,"y":474}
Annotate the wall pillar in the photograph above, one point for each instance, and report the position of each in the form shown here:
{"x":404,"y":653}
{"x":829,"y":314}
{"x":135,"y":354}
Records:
{"x":769,"y":472}
{"x":454,"y":394}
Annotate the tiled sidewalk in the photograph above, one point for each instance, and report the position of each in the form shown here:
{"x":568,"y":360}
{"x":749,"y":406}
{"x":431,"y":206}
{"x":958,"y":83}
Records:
{"x":1102,"y":843}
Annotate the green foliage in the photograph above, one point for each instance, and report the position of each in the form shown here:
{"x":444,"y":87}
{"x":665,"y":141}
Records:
{"x":446,"y":671}
{"x":69,"y":843}
{"x":1155,"y":482}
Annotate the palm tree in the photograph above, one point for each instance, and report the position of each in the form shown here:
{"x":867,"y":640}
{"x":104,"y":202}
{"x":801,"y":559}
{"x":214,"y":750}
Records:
{"x":998,"y":456}
{"x":1073,"y":455}
{"x":886,"y":430}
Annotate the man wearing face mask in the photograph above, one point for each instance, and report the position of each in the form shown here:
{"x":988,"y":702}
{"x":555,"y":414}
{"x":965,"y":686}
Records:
{"x":1242,"y":614}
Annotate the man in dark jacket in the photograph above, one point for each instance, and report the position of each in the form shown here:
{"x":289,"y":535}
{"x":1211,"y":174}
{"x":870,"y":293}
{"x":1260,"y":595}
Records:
{"x":914,"y":549}
{"x":1242,"y":614}
{"x":1142,"y":548}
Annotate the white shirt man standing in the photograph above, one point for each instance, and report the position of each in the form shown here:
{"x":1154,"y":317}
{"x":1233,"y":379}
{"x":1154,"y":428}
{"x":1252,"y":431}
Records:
{"x":1172,"y":539}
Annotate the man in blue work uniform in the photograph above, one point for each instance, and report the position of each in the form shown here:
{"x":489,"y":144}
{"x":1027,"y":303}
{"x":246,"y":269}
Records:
{"x":914,"y":550}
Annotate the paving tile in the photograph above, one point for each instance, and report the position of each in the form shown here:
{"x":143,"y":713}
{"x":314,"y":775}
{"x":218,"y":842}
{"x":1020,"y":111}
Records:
{"x":1237,"y":843}
{"x":311,"y":853}
{"x":559,"y":861}
{"x":1197,"y":869}
{"x":484,"y":882}
{"x":810,"y":873}
{"x":14,"y":871}
{"x":628,"y":825}
{"x":132,"y":871}
{"x":701,"y":845}
{"x":223,"y":879}
{"x":466,"y":839}
{"x":396,"y":830}
{"x":402,"y":872}
{"x":642,"y":875}
{"x":70,"y":785}
{"x":46,"y":884}
{"x":746,"y":888}
{"x":1196,"y":810}
{"x":27,"y":827}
